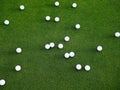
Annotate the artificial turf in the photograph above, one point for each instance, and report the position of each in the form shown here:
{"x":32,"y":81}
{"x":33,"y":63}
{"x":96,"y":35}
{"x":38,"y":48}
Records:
{"x":47,"y":69}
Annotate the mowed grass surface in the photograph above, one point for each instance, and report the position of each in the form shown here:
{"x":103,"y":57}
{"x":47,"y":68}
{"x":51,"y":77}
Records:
{"x":48,"y":70}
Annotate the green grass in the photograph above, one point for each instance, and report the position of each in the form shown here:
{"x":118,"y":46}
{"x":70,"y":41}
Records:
{"x":48,"y":70}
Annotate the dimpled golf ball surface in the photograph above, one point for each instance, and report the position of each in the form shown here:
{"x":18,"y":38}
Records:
{"x":78,"y":67}
{"x":77,"y":26}
{"x":18,"y":50}
{"x":2,"y":82}
{"x":47,"y":18}
{"x":22,"y":7}
{"x":87,"y":68}
{"x":47,"y":46}
{"x":117,"y":34}
{"x":6,"y":22}
{"x":60,"y":46}
{"x":99,"y":48}
{"x":52,"y":44}
{"x":18,"y":68}
{"x":66,"y":55}
{"x":74,"y":5}
{"x":67,"y":38}
{"x":72,"y":54}
{"x":57,"y":19}
{"x":57,"y":3}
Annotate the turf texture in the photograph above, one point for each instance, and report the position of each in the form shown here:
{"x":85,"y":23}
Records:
{"x":47,"y":69}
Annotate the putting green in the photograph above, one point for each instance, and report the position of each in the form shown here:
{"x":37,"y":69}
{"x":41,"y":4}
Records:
{"x":48,"y":69}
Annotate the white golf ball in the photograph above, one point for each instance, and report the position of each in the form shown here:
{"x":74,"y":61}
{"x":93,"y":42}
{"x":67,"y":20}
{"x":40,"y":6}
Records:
{"x":66,"y":55}
{"x":47,"y":18}
{"x":52,"y":44}
{"x":18,"y":68}
{"x":2,"y":82}
{"x":77,"y":26}
{"x":57,"y":19}
{"x":6,"y":22}
{"x":87,"y":68}
{"x":117,"y":34}
{"x":72,"y":54}
{"x":57,"y":3}
{"x":60,"y":46}
{"x":47,"y":46}
{"x":18,"y":50}
{"x":67,"y":38}
{"x":99,"y":48}
{"x":74,"y":5}
{"x":78,"y":66}
{"x":22,"y":7}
